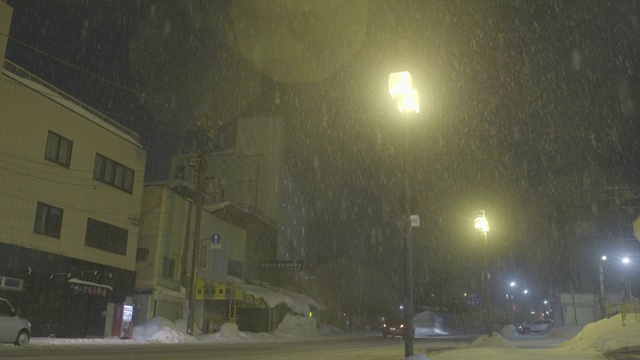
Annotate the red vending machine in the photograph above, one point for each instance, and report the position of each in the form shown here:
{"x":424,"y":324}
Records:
{"x":122,"y":321}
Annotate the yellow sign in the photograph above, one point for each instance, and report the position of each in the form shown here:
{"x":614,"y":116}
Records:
{"x":199,"y":289}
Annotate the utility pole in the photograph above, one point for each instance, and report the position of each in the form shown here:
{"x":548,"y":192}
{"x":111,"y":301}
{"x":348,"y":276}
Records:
{"x":200,"y":165}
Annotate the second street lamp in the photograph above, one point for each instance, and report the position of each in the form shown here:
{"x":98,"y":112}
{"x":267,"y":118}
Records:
{"x":481,"y":223}
{"x":407,"y":100}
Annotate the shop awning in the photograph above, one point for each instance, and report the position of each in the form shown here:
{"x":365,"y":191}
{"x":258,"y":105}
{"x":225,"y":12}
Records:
{"x":89,"y":288}
{"x":299,"y":303}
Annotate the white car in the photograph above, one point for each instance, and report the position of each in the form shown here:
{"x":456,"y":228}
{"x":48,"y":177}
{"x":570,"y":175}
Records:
{"x":13,"y":328}
{"x":537,"y":326}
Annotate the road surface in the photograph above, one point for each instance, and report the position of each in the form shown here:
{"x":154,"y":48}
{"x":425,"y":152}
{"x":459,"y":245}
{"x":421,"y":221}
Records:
{"x":321,"y":348}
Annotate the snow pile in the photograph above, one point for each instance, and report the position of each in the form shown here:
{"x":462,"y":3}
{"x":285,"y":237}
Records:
{"x":608,"y":334}
{"x":494,"y":341}
{"x":508,"y":331}
{"x":160,"y":329}
{"x":229,"y":331}
{"x":293,"y":325}
{"x":417,"y":357}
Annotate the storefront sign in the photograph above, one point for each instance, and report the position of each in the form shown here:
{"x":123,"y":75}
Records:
{"x":285,"y":265}
{"x":91,"y":290}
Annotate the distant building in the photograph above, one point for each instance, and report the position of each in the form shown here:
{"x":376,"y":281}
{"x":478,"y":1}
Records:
{"x":70,"y":194}
{"x":254,"y":176}
{"x":164,"y":254}
{"x":233,"y":246}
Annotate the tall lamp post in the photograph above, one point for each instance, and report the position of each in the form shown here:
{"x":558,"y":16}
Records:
{"x":407,"y":101}
{"x":482,"y":224}
{"x":511,"y":301}
{"x":603,"y":311}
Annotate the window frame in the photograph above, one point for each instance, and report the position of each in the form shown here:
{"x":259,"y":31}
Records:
{"x":111,"y":172}
{"x":43,"y":221}
{"x":53,"y":152}
{"x":106,"y":237}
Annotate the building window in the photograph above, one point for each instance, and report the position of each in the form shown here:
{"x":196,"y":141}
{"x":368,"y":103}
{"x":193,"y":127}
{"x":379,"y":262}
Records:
{"x":58,"y":149}
{"x":204,"y":254}
{"x":113,"y":173}
{"x":48,"y":220}
{"x":142,"y":254}
{"x":168,"y":267}
{"x":218,"y":262}
{"x":235,"y":268}
{"x":7,"y":283}
{"x":106,"y":237}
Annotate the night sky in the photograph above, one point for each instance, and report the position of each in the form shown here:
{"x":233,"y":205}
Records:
{"x":524,"y":103}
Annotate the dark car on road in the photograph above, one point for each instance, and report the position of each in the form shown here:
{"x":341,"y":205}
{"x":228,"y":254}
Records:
{"x":392,"y":327}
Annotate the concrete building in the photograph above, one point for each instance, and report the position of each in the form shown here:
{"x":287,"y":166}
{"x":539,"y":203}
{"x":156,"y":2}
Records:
{"x":253,"y":176}
{"x":233,"y":244}
{"x":70,"y":194}
{"x":165,"y":248}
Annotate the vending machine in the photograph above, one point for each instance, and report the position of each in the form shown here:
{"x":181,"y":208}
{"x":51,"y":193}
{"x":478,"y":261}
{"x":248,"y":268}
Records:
{"x":122,"y":321}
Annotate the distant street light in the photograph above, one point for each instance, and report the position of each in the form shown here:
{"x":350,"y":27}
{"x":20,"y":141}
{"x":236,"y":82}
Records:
{"x":481,"y":223}
{"x":407,"y":101}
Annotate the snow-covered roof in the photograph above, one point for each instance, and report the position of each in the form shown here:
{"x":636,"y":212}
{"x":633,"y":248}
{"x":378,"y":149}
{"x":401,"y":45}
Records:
{"x":54,"y":94}
{"x":299,"y":303}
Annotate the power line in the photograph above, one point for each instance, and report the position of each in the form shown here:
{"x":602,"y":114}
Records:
{"x":112,"y":83}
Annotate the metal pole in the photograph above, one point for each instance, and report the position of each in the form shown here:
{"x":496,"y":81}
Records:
{"x":408,"y":315}
{"x":487,"y":285}
{"x":201,"y":168}
{"x":603,"y":313}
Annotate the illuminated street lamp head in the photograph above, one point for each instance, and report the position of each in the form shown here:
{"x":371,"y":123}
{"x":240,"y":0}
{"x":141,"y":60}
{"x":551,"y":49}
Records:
{"x":402,"y":91}
{"x":513,"y":283}
{"x":626,"y":260}
{"x":400,"y":83}
{"x":481,"y":223}
{"x":604,"y":257}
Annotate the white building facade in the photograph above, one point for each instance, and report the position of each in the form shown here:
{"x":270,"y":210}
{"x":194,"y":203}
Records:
{"x":70,"y":194}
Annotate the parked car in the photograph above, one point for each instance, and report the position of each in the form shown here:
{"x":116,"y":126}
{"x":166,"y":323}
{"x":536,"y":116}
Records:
{"x":13,"y":328}
{"x":536,"y":326}
{"x":393,"y":327}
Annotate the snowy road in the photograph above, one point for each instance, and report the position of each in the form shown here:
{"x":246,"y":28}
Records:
{"x":324,"y":348}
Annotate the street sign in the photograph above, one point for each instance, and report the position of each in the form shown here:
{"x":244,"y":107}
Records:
{"x":473,"y":299}
{"x":216,"y":240}
{"x":415,"y":220}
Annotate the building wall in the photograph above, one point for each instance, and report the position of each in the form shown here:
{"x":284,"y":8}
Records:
{"x":166,"y":221}
{"x":65,"y":287}
{"x":5,"y":24}
{"x":28,"y":178}
{"x":248,"y":175}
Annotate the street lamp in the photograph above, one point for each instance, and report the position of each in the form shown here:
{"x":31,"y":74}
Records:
{"x":626,"y":260}
{"x":481,"y":223}
{"x":511,"y":301}
{"x":407,"y":100}
{"x":602,"y":294}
